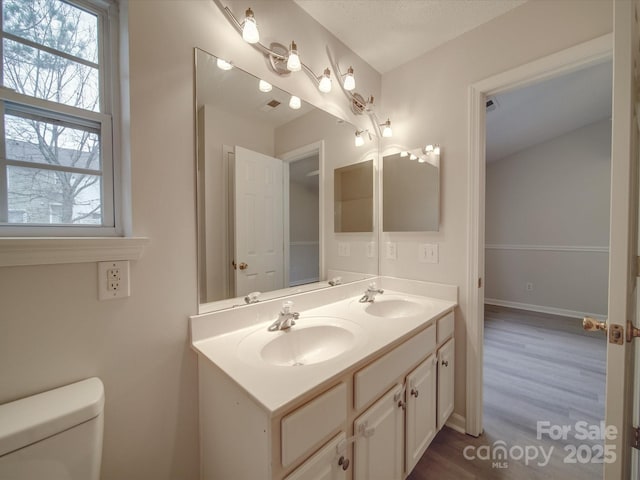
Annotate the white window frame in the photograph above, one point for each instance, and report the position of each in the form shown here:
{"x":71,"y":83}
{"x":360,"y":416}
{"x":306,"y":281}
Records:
{"x":107,"y":120}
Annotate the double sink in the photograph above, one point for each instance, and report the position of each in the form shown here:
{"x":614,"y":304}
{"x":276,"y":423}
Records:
{"x":314,"y":339}
{"x":277,"y":367}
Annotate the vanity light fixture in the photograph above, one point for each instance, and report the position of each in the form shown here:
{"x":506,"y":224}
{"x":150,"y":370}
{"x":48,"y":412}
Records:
{"x":250,"y":32}
{"x":293,"y":60}
{"x":349,"y":83}
{"x":325,"y":81}
{"x":294,"y":102}
{"x":264,"y":86}
{"x":386,"y":129}
{"x":359,"y":139}
{"x":223,"y":64}
{"x":285,"y":60}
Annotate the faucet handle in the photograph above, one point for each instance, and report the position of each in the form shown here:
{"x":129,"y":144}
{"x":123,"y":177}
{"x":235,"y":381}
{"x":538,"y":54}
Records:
{"x":287,"y":306}
{"x":373,"y":286}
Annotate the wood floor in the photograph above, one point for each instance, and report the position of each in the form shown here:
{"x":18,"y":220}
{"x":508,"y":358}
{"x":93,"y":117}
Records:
{"x":537,"y":367}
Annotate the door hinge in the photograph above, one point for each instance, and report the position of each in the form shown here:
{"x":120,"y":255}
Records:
{"x":480,"y":282}
{"x":635,"y":438}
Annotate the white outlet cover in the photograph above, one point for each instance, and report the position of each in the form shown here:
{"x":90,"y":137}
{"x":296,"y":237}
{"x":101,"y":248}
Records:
{"x":371,"y":250}
{"x":391,"y":249}
{"x":343,"y":249}
{"x":103,"y":280}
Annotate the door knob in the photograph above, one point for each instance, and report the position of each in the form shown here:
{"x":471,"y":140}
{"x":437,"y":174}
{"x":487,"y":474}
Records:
{"x":243,"y":266}
{"x":593,"y":325}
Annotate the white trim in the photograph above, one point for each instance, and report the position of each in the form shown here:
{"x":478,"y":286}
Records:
{"x":456,"y":422}
{"x":568,"y":60}
{"x":48,"y":251}
{"x":543,"y":309}
{"x":548,"y":248}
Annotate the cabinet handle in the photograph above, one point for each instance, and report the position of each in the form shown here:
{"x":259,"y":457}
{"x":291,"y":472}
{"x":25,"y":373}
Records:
{"x":402,"y":405}
{"x":445,"y":363}
{"x":343,"y":462}
{"x":414,"y":392}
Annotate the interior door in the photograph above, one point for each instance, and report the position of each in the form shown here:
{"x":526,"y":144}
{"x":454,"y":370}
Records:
{"x":258,"y":229}
{"x":623,"y":239}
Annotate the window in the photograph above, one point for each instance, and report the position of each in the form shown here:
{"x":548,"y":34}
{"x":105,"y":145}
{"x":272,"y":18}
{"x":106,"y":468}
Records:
{"x":57,"y":169}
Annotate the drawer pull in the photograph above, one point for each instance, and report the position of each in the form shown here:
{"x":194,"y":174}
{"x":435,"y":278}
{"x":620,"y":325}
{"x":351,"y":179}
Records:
{"x":445,"y":363}
{"x":343,"y":462}
{"x":402,"y":404}
{"x":414,"y":392}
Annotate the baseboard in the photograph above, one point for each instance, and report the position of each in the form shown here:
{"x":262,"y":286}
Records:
{"x":457,"y":422}
{"x":542,"y":309}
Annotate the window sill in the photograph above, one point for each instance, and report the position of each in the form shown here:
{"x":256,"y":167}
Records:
{"x":19,"y":251}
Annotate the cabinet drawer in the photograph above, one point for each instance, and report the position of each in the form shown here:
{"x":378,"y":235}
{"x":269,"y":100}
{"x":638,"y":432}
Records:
{"x":311,"y":423}
{"x":376,"y":378}
{"x":445,"y":327}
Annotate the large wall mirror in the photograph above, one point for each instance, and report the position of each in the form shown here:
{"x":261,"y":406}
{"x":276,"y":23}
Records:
{"x":410,"y":192}
{"x":265,"y":189}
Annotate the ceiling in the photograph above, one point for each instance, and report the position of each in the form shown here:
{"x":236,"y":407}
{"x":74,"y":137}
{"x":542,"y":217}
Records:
{"x":389,"y":33}
{"x":545,"y":110}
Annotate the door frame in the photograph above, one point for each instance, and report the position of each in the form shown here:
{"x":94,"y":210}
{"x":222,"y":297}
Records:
{"x":565,"y":61}
{"x":287,"y":158}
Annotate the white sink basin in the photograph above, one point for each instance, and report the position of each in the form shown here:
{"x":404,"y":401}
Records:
{"x":392,"y":305}
{"x":312,"y":340}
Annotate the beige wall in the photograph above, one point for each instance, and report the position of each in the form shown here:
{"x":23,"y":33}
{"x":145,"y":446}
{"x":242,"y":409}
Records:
{"x":553,"y":194}
{"x":427,"y":101}
{"x":55,"y":331}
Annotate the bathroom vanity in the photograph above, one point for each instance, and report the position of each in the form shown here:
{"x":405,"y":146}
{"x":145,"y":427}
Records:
{"x":353,"y":390}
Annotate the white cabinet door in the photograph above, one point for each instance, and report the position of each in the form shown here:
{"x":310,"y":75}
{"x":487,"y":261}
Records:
{"x":325,"y":464}
{"x":446,"y":369}
{"x":378,"y":454}
{"x":421,"y":410}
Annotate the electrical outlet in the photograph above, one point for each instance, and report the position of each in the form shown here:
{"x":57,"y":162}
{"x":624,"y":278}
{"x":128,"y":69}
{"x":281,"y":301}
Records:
{"x":428,"y":253}
{"x":343,"y":249}
{"x":113,"y":280}
{"x":371,"y":250}
{"x":529,"y":287}
{"x":391,"y":249}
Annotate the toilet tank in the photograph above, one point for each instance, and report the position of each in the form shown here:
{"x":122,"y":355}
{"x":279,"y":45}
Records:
{"x":55,"y":435}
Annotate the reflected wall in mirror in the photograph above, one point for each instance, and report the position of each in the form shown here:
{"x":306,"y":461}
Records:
{"x":353,"y":204}
{"x":264,"y":180}
{"x":410,"y":193}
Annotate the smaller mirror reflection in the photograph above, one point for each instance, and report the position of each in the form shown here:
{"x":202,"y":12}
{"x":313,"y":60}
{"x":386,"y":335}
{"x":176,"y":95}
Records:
{"x":353,"y":190}
{"x":410,"y":193}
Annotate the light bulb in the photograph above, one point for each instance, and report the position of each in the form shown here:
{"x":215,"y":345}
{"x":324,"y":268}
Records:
{"x":293,"y":62}
{"x":250,"y":32}
{"x":325,"y":81}
{"x":223,"y":64}
{"x":349,"y":81}
{"x":359,"y":139}
{"x":404,"y":154}
{"x":413,"y":157}
{"x":422,"y":160}
{"x":264,"y":86}
{"x":436,"y":150}
{"x":294,"y":102}
{"x":386,"y":131}
{"x":428,"y":149}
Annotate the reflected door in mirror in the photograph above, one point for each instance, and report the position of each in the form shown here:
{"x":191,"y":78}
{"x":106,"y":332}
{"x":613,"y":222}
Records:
{"x":259,"y":238}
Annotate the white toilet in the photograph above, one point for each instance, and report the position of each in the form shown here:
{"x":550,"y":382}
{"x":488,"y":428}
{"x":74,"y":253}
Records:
{"x":55,"y":435}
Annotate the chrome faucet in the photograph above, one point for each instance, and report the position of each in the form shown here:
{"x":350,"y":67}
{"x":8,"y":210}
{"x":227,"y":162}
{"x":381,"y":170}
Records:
{"x":286,"y":318}
{"x":370,"y":294}
{"x":252,"y":297}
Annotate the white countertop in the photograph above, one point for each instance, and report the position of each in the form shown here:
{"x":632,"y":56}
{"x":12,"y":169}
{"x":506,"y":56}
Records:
{"x":274,"y":387}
